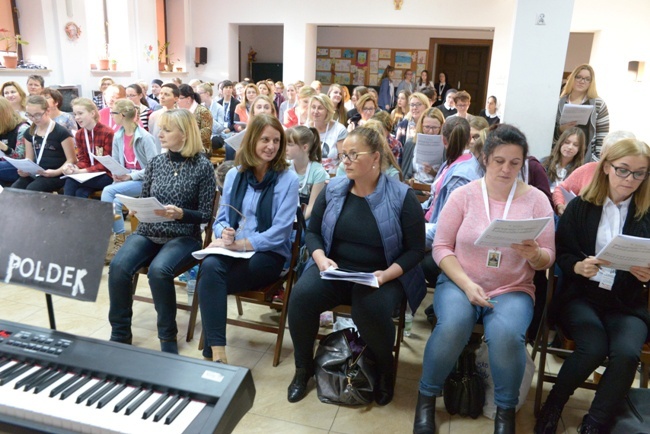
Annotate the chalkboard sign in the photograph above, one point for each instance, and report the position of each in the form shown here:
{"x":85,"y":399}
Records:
{"x":54,"y":243}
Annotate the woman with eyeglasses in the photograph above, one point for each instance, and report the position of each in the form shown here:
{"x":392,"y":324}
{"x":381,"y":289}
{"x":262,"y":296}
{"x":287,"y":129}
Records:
{"x":366,"y":108}
{"x":183,"y":180}
{"x":367,"y":222}
{"x":580,"y":89}
{"x":603,"y":310}
{"x":190,"y":100}
{"x":407,"y":130}
{"x":49,"y":145}
{"x":133,"y":147}
{"x":138,"y":97}
{"x":256,"y":214}
{"x":430,"y":123}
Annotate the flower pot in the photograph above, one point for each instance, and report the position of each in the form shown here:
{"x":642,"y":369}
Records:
{"x":10,"y":62}
{"x":114,"y":66}
{"x":169,"y":67}
{"x":179,"y":69}
{"x":161,"y":66}
{"x":103,"y":64}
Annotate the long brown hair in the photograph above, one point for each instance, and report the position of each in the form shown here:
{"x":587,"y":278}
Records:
{"x":550,"y":164}
{"x":247,"y":158}
{"x":9,"y":118}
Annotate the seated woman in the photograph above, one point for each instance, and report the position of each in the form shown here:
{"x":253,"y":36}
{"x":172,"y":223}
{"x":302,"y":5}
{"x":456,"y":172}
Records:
{"x":332,"y":133}
{"x":93,"y":138}
{"x":566,"y":156}
{"x":401,"y":109}
{"x":137,"y":96}
{"x":12,"y":140}
{"x":430,"y":122}
{"x":335,"y":93}
{"x":470,"y":281}
{"x":183,"y":180}
{"x":259,"y":204}
{"x":190,"y":100}
{"x":112,"y":93}
{"x":49,"y":145}
{"x":16,"y":96}
{"x":366,"y":108}
{"x":304,"y":151}
{"x":55,"y":100}
{"x":582,"y":176}
{"x":133,"y":148}
{"x":489,"y":113}
{"x":168,"y":97}
{"x":35,"y":84}
{"x":406,"y":130}
{"x":242,"y":110}
{"x":603,"y":310}
{"x":288,"y":103}
{"x":363,"y":222}
{"x":299,"y":113}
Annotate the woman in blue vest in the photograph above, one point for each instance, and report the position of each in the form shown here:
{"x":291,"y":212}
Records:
{"x":364,"y":222}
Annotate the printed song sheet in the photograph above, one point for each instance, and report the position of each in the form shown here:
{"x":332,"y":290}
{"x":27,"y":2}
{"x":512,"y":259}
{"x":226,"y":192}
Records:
{"x":502,"y":233}
{"x":144,"y":208}
{"x":576,"y":113}
{"x":24,"y":164}
{"x":83,"y":177}
{"x":625,"y":251}
{"x":429,"y":149}
{"x":235,"y":140}
{"x":367,"y":279}
{"x":112,"y":165}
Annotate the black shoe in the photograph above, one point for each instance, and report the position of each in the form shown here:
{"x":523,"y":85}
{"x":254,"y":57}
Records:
{"x":384,"y":389}
{"x":504,"y":422}
{"x":548,"y":418}
{"x":169,"y":347}
{"x":298,"y":387}
{"x":590,"y":426}
{"x":122,"y":340}
{"x":425,"y":415}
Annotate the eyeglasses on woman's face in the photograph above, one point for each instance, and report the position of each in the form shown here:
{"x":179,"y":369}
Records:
{"x":583,"y":78}
{"x":352,"y":155}
{"x":622,"y":172}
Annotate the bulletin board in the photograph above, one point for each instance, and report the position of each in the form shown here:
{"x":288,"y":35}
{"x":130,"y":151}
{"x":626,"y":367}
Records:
{"x":365,"y":66}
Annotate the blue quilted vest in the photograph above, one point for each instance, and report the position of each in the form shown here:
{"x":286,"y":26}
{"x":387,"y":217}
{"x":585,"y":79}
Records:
{"x":386,"y":206}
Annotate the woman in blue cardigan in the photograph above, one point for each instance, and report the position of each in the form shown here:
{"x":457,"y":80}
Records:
{"x":387,"y":89}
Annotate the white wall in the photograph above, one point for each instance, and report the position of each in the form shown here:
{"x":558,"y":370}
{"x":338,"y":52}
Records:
{"x":267,"y":41}
{"x":579,"y":50}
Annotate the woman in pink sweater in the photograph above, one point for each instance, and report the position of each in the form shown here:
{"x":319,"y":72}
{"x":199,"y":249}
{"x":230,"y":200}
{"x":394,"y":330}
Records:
{"x":489,"y":283}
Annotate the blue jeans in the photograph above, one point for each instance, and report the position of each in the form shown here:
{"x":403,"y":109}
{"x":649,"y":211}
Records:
{"x":127,"y":188}
{"x":223,"y":275}
{"x":505,"y":333}
{"x":85,"y":189}
{"x":165,"y":261}
{"x":8,"y":173}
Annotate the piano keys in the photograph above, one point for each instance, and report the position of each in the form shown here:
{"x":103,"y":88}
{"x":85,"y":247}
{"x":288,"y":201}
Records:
{"x":58,"y":383}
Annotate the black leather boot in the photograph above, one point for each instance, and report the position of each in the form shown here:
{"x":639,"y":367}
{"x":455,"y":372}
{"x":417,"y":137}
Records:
{"x":548,"y":418}
{"x":298,"y":387}
{"x":504,"y":422}
{"x":385,"y":388}
{"x":425,"y":415}
{"x":590,"y":426}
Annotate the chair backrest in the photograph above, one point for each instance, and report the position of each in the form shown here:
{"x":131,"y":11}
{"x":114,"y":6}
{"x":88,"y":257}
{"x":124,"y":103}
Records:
{"x":208,"y":229}
{"x":298,"y":226}
{"x":422,"y":191}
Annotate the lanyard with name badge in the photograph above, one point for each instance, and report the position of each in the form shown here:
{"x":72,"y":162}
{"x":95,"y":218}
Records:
{"x":493,"y":259}
{"x":47,"y":133}
{"x":90,"y":152}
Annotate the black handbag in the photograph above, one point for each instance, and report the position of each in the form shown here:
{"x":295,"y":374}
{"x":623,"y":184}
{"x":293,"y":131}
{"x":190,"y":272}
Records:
{"x":464,"y":391}
{"x":344,"y":372}
{"x":634,"y":415}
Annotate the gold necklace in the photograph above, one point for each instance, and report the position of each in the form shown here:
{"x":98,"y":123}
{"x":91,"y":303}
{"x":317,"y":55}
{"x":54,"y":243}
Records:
{"x":174,"y":166}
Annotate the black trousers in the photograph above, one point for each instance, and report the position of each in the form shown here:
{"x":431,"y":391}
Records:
{"x":372,"y":310}
{"x":40,"y":183}
{"x":599,"y":333}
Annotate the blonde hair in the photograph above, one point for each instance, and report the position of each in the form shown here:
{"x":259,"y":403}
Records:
{"x":265,"y":98}
{"x":88,"y":105}
{"x":40,"y":101}
{"x":306,"y":92}
{"x":364,"y":99}
{"x":591,"y":91}
{"x":9,"y":118}
{"x":21,"y":92}
{"x":126,"y":108}
{"x":184,"y":121}
{"x":387,"y":157}
{"x":247,"y":158}
{"x":326,"y":102}
{"x":598,"y":189}
{"x":242,"y":104}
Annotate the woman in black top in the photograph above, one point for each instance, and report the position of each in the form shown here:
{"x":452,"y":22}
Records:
{"x":49,"y":145}
{"x":183,"y":180}
{"x":363,"y":222}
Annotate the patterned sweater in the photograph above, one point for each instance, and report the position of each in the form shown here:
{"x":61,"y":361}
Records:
{"x":192,"y":190}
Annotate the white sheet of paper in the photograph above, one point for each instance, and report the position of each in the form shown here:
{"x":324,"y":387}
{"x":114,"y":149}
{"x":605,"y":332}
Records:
{"x":576,"y":113}
{"x":429,"y":149}
{"x":200,"y":254}
{"x":568,"y":195}
{"x":112,"y":165}
{"x":83,"y":177}
{"x":502,"y":233}
{"x":144,"y":208}
{"x":367,"y":279}
{"x":235,"y":140}
{"x":625,"y":251}
{"x":24,"y":164}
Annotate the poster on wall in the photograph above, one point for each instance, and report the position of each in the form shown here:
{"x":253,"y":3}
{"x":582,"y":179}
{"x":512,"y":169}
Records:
{"x":422,"y":57}
{"x":343,"y":65}
{"x":323,"y":64}
{"x":322,"y":51}
{"x":403,"y":59}
{"x":324,"y":77}
{"x":421,"y":67}
{"x":359,"y":77}
{"x":374,"y":55}
{"x":373,"y":80}
{"x":342,"y":78}
{"x":335,"y":53}
{"x":384,"y":54}
{"x":362,"y":58}
{"x":374,"y":67}
{"x":348,"y":54}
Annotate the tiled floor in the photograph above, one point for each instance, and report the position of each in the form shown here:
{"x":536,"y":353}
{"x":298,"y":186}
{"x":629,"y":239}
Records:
{"x":271,"y":413}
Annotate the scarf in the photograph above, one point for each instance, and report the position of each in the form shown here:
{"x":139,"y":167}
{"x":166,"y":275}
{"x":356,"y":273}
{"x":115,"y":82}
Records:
{"x":265,"y":204}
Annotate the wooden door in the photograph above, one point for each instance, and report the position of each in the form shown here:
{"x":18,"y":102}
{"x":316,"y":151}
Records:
{"x":466,"y":63}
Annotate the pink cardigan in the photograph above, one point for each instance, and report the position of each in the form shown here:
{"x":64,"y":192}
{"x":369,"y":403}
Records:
{"x":575,"y":182}
{"x":462,"y":221}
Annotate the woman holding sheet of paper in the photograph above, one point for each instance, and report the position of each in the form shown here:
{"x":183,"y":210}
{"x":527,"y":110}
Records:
{"x":366,"y":222}
{"x":580,"y":89}
{"x":12,"y":142}
{"x":183,"y":180}
{"x":49,"y":145}
{"x":603,"y":310}
{"x":495,"y":284}
{"x":258,"y":208}
{"x":133,"y":148}
{"x":92,"y":139}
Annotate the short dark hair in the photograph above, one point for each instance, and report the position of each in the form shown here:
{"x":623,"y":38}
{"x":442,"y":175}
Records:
{"x":503,"y":134}
{"x":55,"y":94}
{"x":226,"y":83}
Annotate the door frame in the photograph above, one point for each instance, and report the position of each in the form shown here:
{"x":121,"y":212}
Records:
{"x":434,"y":43}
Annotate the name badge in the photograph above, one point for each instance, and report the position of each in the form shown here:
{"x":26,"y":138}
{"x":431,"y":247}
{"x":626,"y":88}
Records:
{"x":493,"y":259}
{"x":607,"y":276}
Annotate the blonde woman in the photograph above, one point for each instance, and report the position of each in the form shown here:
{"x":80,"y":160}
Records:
{"x":183,"y":180}
{"x":12,"y":140}
{"x":335,"y":93}
{"x":298,"y":114}
{"x":332,"y":133}
{"x":401,"y":108}
{"x":242,"y":111}
{"x":16,"y":96}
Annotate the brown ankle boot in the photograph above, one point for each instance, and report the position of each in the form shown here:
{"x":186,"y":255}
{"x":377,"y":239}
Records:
{"x":118,"y":241}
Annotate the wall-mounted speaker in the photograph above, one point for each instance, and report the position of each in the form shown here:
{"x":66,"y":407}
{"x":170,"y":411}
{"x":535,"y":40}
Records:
{"x":200,"y":56}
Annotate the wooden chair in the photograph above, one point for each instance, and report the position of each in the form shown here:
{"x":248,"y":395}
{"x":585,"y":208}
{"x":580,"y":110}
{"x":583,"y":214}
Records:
{"x":541,"y":345}
{"x":264,"y":296}
{"x":422,"y":191}
{"x":194,"y":306}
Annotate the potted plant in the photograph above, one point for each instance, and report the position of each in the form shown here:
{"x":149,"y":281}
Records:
{"x":104,"y":59}
{"x":163,"y":56}
{"x":114,"y":64}
{"x":11,"y":60}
